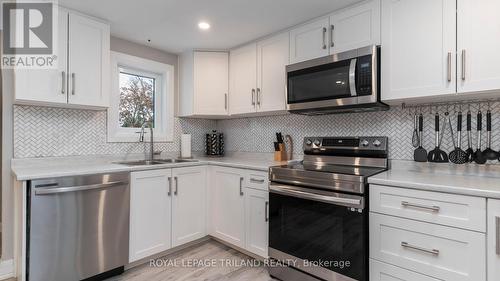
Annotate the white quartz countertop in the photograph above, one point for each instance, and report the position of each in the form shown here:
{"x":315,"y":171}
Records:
{"x":38,"y":168}
{"x":469,"y":179}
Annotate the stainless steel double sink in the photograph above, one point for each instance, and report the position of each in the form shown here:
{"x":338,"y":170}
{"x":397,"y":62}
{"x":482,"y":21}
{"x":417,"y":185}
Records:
{"x":155,"y":162}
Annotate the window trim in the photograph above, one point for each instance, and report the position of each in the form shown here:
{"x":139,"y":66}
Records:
{"x":164,"y":99}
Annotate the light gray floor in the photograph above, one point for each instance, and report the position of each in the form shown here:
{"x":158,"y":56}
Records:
{"x":228,"y":266}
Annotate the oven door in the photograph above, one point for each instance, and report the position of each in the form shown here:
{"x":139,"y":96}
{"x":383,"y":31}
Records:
{"x":326,"y":228}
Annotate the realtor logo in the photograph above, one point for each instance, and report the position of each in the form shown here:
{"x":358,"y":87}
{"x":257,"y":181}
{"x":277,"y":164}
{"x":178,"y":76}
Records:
{"x":28,"y":39}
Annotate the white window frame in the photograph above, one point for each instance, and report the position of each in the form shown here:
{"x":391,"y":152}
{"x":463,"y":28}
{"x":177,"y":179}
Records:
{"x":164,"y":98}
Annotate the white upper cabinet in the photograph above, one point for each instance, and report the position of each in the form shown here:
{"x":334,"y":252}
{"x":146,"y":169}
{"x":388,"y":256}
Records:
{"x":204,"y":83}
{"x":418,"y":48}
{"x":350,"y":28}
{"x":493,"y":239}
{"x":355,"y":27}
{"x":81,"y":79}
{"x":243,"y":79}
{"x":272,"y":58}
{"x":478,"y":45}
{"x":42,"y":85}
{"x":189,"y":204}
{"x":88,"y":61}
{"x":309,"y":41}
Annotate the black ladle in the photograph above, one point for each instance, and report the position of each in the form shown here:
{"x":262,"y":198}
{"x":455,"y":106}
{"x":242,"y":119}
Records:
{"x":489,"y":153}
{"x":469,"y":151}
{"x":458,"y":156}
{"x":478,"y":156}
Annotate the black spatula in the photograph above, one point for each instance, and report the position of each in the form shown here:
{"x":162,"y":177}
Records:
{"x":458,"y":156}
{"x":469,"y":150}
{"x":437,"y":155}
{"x":420,"y":154}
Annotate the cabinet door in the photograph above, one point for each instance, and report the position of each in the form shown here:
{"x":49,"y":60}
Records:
{"x":256,"y":221}
{"x":211,"y":83}
{"x":227,"y":204}
{"x":309,"y":41}
{"x":478,"y":28}
{"x":380,"y":271}
{"x":272,"y":57}
{"x":355,"y":27}
{"x":88,"y":61}
{"x":188,"y":204}
{"x":46,"y":85}
{"x":418,"y":47}
{"x":243,"y":79}
{"x":150,"y":213}
{"x":493,"y":239}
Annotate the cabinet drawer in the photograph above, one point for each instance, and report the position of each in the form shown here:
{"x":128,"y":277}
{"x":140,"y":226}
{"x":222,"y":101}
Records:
{"x":380,"y":271}
{"x":256,"y":179}
{"x":434,"y":207}
{"x":442,"y":252}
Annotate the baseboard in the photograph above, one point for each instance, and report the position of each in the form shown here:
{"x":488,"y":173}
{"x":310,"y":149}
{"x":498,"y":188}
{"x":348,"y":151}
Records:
{"x":6,"y":269}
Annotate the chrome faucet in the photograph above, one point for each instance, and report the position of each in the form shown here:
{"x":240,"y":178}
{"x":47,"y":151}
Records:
{"x":151,"y":143}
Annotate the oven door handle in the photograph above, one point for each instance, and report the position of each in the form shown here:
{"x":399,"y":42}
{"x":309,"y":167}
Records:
{"x":334,"y":198}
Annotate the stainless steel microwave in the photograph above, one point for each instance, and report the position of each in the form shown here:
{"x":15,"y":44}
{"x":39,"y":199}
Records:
{"x":339,"y":83}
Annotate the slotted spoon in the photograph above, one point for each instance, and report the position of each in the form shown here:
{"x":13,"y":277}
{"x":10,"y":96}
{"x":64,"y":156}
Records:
{"x":458,"y":156}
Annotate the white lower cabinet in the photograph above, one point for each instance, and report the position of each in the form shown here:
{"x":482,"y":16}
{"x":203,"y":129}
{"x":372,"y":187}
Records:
{"x":150,"y":213}
{"x":239,"y":203}
{"x":380,"y":271}
{"x":256,"y":221}
{"x":167,"y":209}
{"x":189,"y":202}
{"x":493,"y":244}
{"x":227,"y":205}
{"x":443,"y":252}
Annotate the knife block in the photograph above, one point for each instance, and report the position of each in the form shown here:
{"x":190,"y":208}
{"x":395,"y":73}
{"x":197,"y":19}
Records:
{"x":280,"y":155}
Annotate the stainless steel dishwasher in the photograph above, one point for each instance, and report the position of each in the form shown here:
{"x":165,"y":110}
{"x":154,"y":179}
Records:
{"x":78,"y":227}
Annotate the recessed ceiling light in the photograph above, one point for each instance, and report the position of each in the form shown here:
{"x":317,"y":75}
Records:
{"x":204,"y":25}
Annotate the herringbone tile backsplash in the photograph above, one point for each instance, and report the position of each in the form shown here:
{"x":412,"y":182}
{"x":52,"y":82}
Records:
{"x":258,"y":134}
{"x":44,"y":132}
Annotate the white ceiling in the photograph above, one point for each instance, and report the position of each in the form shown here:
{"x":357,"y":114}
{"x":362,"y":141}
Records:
{"x":172,"y":25}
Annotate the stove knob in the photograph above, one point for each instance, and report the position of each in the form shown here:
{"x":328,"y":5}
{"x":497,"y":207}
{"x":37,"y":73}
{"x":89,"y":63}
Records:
{"x":317,"y":142}
{"x":308,"y":142}
{"x":377,"y":143}
{"x":364,"y":143}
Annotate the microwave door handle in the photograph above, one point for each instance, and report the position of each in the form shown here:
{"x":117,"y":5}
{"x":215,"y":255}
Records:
{"x":352,"y":77}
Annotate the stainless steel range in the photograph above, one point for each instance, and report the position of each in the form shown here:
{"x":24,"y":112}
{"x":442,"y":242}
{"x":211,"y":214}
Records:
{"x":318,"y":211}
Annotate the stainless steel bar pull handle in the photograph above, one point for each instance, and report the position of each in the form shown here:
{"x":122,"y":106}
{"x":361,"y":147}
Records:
{"x":419,"y":206}
{"x":332,"y":28}
{"x":225,"y":101}
{"x":463,"y":64}
{"x":449,"y":66}
{"x":497,"y":227}
{"x":324,"y":37}
{"x":55,"y":190}
{"x":73,"y":84}
{"x":176,"y":186}
{"x":413,"y":247}
{"x":253,"y":96}
{"x":241,"y":186}
{"x":169,"y":193}
{"x":266,"y":211}
{"x":257,"y":180}
{"x":63,"y":82}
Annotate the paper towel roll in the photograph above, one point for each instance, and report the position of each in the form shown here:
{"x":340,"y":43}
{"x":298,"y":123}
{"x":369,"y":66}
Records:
{"x":185,"y":146}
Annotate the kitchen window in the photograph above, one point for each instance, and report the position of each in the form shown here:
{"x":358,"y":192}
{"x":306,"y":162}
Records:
{"x":142,"y":94}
